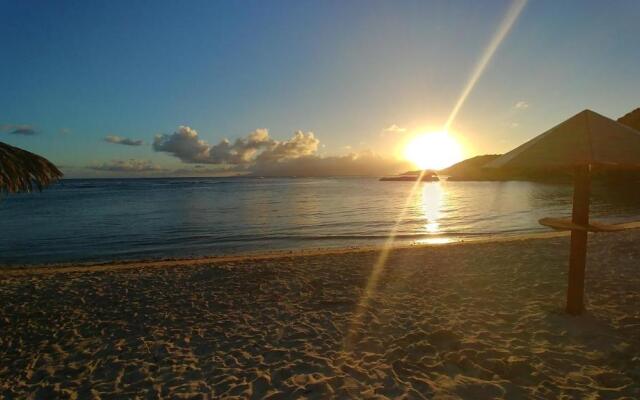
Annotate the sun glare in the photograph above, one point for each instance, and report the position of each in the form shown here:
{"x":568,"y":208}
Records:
{"x":433,"y":150}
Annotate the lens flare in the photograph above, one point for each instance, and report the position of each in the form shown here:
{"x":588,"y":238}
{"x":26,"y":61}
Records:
{"x":512,"y":15}
{"x":370,"y":288}
{"x":363,"y":305}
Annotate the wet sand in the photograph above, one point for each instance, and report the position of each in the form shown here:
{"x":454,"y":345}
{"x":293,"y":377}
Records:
{"x":475,"y":320}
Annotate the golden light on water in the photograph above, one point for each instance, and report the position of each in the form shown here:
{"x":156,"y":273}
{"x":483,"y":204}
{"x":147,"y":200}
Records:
{"x":429,"y":204}
{"x":437,"y":240}
{"x":433,"y":150}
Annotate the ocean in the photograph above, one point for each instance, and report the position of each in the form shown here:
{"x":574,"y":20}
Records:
{"x":87,"y":220}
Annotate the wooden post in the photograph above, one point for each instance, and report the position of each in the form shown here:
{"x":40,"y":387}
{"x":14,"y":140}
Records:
{"x":578,"y":258}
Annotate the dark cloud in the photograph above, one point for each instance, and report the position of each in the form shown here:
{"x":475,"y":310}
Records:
{"x":122,"y":140}
{"x":186,"y":145}
{"x":131,"y":165}
{"x":25,"y":130}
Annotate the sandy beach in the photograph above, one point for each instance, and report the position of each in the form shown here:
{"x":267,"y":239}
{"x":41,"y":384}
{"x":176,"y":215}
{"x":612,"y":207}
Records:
{"x":480,"y":320}
{"x":320,"y":200}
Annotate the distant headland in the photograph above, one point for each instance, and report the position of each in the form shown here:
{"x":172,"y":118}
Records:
{"x":472,"y":169}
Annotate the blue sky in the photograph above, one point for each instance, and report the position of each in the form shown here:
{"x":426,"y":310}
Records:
{"x":76,"y":72}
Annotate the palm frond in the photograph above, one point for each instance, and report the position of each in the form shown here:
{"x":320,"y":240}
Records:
{"x":23,"y":171}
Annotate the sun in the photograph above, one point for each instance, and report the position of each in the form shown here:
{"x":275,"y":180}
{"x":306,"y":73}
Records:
{"x":433,"y":150}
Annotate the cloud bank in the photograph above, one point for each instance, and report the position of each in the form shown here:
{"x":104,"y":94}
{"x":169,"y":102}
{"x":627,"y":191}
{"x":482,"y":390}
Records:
{"x":132,"y":165}
{"x":185,"y":145}
{"x":259,"y":154}
{"x":354,"y":164}
{"x":122,"y":140}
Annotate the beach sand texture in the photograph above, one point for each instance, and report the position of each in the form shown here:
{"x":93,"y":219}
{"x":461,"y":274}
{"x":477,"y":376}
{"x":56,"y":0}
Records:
{"x":472,"y":321}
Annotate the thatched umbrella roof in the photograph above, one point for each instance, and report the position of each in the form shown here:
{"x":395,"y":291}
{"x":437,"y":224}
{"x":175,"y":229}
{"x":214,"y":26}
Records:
{"x":23,"y":171}
{"x":585,"y":141}
{"x":587,"y":138}
{"x":631,"y":119}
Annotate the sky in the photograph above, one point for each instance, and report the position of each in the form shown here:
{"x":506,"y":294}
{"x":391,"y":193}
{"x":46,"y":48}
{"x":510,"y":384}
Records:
{"x":153,"y":88}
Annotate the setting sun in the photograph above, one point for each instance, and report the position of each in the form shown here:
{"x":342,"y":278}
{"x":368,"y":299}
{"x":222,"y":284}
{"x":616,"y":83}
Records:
{"x":433,"y":150}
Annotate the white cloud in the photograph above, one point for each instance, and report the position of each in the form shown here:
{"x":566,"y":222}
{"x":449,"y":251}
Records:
{"x":300,"y":145}
{"x":393,"y":128}
{"x":521,"y":105}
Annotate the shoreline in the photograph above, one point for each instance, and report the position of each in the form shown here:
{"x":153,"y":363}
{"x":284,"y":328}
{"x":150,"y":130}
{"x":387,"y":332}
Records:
{"x":89,"y":266}
{"x":13,"y":270}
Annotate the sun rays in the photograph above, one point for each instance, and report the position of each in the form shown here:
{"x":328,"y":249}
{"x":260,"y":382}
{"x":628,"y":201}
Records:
{"x":510,"y":18}
{"x":374,"y":276}
{"x":507,"y":23}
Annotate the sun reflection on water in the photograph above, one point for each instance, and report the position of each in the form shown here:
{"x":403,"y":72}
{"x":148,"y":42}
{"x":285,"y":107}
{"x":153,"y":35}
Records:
{"x":435,"y":240}
{"x":432,"y":198}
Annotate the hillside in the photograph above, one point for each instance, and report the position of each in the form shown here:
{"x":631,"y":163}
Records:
{"x":470,"y":167}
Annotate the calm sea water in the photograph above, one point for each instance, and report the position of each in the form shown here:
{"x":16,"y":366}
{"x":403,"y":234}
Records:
{"x":98,"y":220}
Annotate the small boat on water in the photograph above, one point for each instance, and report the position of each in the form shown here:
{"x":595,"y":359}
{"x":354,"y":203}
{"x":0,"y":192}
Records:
{"x":412,"y":176}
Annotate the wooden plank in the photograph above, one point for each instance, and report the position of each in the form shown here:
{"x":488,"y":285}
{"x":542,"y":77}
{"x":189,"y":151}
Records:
{"x":564,"y":224}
